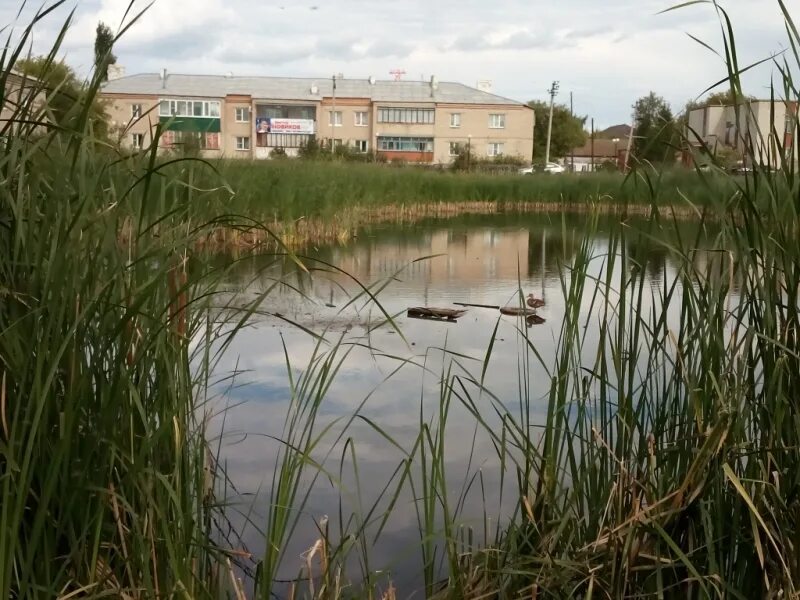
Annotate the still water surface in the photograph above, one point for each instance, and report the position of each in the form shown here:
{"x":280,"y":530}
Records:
{"x":477,"y":260}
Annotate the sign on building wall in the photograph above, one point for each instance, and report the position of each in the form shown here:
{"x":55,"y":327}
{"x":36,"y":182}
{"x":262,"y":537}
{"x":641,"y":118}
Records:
{"x":298,"y":126}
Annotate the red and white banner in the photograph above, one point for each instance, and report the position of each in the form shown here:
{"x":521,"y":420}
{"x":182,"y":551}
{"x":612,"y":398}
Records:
{"x":299,"y":126}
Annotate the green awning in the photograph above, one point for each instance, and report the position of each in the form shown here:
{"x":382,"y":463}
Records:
{"x":202,"y":124}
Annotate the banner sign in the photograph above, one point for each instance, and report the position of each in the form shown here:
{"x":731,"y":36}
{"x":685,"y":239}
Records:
{"x":298,"y":126}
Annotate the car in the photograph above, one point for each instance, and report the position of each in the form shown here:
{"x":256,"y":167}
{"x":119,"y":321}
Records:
{"x":548,"y":168}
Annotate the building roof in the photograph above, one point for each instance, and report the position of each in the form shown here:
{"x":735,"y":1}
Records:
{"x":291,"y":88}
{"x":615,"y":131}
{"x":602,"y":148}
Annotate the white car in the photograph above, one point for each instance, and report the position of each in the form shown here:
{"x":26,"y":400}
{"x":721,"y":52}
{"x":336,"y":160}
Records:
{"x":548,"y":168}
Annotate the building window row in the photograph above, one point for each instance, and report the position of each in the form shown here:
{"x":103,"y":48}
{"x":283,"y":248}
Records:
{"x":289,"y":111}
{"x":203,"y":140}
{"x":405,"y":144}
{"x":282,"y":140}
{"x":406,"y":115}
{"x":189,"y":108}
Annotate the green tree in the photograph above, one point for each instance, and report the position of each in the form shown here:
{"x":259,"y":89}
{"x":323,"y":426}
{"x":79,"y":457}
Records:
{"x":67,"y":96}
{"x":103,"y":46}
{"x":568,"y":130}
{"x":656,"y":133}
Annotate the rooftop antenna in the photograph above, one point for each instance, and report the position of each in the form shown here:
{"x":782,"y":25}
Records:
{"x":397,"y":74}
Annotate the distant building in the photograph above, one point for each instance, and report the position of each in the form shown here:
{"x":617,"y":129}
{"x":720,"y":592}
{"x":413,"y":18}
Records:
{"x":768,"y":127}
{"x":591,"y":156}
{"x":22,"y":94}
{"x":414,"y":121}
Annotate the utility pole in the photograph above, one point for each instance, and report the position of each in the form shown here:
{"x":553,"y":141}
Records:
{"x":630,"y":139}
{"x":572,"y":152}
{"x":552,"y":91}
{"x":592,"y":145}
{"x":333,"y":116}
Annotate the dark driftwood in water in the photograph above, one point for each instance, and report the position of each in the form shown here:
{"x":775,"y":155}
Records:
{"x":439,"y":314}
{"x":516,"y":311}
{"x":494,"y":306}
{"x":534,"y":320}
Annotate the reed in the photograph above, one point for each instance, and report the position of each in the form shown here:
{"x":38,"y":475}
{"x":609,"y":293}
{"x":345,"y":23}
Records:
{"x":666,"y":463}
{"x":287,"y":190}
{"x":106,"y":477}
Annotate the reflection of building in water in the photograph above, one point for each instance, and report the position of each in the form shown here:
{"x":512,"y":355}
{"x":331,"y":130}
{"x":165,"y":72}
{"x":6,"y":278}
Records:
{"x":474,"y":255}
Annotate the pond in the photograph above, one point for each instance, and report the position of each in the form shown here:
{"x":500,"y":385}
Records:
{"x":391,"y":377}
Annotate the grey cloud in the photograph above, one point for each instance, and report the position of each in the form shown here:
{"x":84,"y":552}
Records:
{"x":342,"y":49}
{"x":521,"y":40}
{"x":355,"y":49}
{"x":261,"y":55}
{"x":384,"y":50}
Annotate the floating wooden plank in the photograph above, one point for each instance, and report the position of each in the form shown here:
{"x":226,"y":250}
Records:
{"x":494,"y":306}
{"x":516,"y":311}
{"x":438,"y":314}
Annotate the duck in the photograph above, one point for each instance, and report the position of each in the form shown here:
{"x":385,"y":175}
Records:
{"x":535,"y":302}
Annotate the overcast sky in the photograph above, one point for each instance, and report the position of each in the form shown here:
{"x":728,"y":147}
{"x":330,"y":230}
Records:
{"x":607,"y":52}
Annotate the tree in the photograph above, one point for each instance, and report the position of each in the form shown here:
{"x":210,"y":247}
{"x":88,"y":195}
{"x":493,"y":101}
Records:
{"x":655,"y":135}
{"x":103,"y":55}
{"x":567,"y":131}
{"x":67,"y":96}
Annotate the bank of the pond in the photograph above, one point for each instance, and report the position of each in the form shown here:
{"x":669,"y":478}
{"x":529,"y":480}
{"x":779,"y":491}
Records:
{"x":345,"y":225}
{"x":303,"y":202}
{"x":287,"y":190}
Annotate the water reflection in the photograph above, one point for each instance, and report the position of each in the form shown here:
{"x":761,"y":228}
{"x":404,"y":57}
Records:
{"x":485,"y":260}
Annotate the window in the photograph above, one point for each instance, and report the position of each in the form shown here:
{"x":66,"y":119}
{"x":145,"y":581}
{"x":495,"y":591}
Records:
{"x":137,"y":140}
{"x":210,"y":141}
{"x":406,"y":115}
{"x":188,"y":108}
{"x":335,"y":118}
{"x":495,"y":149}
{"x":405,"y":144}
{"x":497,"y":121}
{"x":362,"y":118}
{"x":243,"y":143}
{"x":455,"y":148}
{"x":136,"y":111}
{"x":191,"y":139}
{"x":455,"y":119}
{"x":282,"y":140}
{"x":242,"y":114}
{"x":360,"y":145}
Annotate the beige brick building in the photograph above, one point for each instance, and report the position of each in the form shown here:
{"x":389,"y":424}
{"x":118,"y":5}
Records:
{"x":766,"y":127}
{"x":22,"y":98}
{"x":249,"y":117}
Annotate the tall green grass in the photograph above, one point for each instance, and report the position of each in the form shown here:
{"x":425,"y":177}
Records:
{"x":667,"y":462}
{"x":106,"y":479}
{"x":286,"y":190}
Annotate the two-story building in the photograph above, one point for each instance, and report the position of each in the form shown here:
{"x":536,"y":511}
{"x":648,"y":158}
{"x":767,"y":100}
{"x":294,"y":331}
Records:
{"x":760,"y":130}
{"x":250,"y":117}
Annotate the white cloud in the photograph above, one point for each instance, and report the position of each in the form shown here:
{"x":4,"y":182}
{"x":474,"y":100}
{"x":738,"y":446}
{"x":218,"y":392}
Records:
{"x":607,"y":53}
